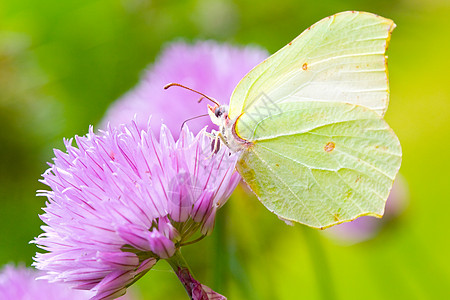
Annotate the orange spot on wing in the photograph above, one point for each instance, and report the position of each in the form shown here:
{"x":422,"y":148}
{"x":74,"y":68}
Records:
{"x":382,"y":148}
{"x":329,"y":147}
{"x":305,"y":66}
{"x":290,"y":43}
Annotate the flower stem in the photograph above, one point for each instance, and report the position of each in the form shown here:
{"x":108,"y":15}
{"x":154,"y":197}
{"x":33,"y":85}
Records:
{"x":194,"y":289}
{"x":181,"y":269}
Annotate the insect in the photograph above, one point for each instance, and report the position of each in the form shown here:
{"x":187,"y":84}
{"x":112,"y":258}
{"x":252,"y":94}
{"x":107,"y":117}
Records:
{"x":308,"y":123}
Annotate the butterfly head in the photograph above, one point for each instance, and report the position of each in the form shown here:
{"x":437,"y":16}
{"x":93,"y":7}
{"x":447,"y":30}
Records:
{"x":218,"y":114}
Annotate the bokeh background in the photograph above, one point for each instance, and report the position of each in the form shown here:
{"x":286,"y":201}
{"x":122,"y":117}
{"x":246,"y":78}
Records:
{"x":63,"y":62}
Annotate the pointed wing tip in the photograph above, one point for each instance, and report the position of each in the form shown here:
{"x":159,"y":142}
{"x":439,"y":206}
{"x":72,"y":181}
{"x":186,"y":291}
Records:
{"x":387,"y":21}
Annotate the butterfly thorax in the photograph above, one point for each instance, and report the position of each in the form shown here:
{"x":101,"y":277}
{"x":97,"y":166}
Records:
{"x":227,"y":128}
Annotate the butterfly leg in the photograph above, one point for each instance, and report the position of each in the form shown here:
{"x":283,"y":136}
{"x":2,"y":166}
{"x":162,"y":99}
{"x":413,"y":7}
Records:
{"x":215,"y":145}
{"x":212,"y":135}
{"x":215,"y":141}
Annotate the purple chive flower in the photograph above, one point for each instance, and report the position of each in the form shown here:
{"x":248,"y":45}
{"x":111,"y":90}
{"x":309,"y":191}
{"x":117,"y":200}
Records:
{"x":209,"y":67}
{"x":19,"y":283}
{"x":122,"y":200}
{"x":365,"y":228}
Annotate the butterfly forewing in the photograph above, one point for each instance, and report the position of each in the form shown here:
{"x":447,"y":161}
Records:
{"x":341,"y":58}
{"x":320,"y":163}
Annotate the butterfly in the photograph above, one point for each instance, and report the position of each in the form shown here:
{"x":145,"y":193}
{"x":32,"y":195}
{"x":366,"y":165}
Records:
{"x":308,"y":123}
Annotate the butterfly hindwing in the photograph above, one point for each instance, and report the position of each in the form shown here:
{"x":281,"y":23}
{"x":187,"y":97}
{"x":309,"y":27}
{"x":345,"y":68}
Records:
{"x":319,"y":163}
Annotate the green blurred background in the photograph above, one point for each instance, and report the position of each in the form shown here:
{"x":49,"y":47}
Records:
{"x":63,"y":62}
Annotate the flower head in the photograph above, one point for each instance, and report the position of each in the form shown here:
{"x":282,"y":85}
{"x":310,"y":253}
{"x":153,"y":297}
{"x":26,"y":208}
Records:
{"x":19,"y":283}
{"x":122,"y":200}
{"x":209,"y":67}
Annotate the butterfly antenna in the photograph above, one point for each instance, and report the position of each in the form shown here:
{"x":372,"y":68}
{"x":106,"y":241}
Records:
{"x":185,"y":87}
{"x":192,"y":119}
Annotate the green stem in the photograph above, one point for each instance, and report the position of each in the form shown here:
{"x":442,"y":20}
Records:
{"x":177,"y":261}
{"x":194,"y":289}
{"x":181,"y":269}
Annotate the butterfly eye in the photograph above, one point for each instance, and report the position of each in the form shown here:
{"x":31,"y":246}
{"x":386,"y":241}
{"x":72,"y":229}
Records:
{"x":218,"y":112}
